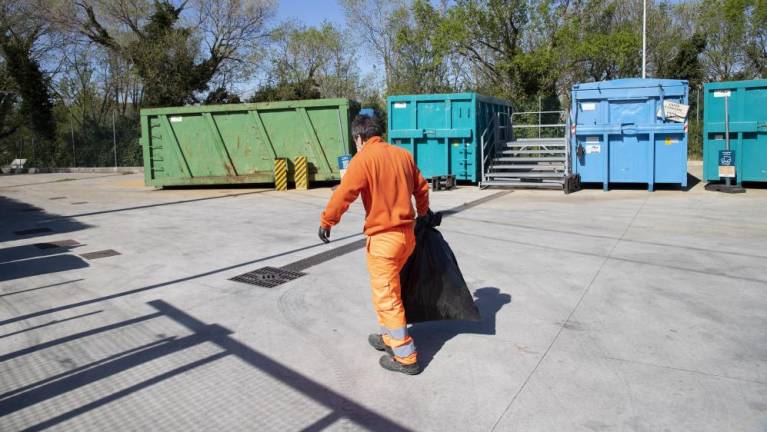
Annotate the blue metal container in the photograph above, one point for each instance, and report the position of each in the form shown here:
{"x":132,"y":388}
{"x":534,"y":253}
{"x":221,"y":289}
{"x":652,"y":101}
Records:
{"x":630,"y":131}
{"x":443,"y":131}
{"x":746,"y":103}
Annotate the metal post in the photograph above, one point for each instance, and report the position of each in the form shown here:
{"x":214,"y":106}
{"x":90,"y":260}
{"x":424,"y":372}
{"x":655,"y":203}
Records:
{"x":74,"y":157}
{"x":644,"y":39}
{"x":539,"y":116}
{"x":34,"y":147}
{"x":697,"y":114}
{"x":114,"y":138}
{"x":726,"y":133}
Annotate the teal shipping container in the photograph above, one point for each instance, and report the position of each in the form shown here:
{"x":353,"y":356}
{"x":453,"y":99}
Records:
{"x":746,"y":103}
{"x":443,"y":131}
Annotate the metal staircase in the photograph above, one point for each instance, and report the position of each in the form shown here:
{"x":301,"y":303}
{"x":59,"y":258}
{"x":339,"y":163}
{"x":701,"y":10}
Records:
{"x":511,"y":161}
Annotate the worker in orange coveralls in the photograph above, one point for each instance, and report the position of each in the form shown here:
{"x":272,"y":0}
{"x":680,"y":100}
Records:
{"x":387,"y":178}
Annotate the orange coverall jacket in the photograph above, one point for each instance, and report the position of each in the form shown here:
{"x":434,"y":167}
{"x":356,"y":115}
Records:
{"x":387,"y":177}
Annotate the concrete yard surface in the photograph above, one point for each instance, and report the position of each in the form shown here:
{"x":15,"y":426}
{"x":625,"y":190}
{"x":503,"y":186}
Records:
{"x":625,"y":310}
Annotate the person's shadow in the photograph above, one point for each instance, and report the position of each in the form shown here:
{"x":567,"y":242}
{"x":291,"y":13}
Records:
{"x":431,"y":336}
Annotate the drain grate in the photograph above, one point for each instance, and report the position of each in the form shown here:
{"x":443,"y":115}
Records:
{"x":268,"y":277}
{"x":58,"y":198}
{"x":100,"y":254}
{"x":32,"y":231}
{"x":57,"y":244}
{"x":80,"y":202}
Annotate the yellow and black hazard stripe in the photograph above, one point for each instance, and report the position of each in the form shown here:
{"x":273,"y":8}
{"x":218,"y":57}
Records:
{"x":281,"y":174}
{"x":301,"y":174}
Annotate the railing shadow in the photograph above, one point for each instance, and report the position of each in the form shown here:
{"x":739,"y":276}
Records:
{"x":20,"y":220}
{"x":40,"y":266}
{"x":60,"y":384}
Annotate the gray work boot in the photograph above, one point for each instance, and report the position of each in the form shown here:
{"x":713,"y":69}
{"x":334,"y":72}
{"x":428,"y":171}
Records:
{"x":376,"y":341}
{"x":390,"y":363}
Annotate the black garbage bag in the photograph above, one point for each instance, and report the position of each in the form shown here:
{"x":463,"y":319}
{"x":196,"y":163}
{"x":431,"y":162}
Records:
{"x":433,"y":287}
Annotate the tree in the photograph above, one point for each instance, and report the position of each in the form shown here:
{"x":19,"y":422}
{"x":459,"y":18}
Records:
{"x":376,"y":23}
{"x":686,"y":63}
{"x":20,"y":31}
{"x":176,"y":59}
{"x":422,"y":47}
{"x":725,"y":24}
{"x":9,"y":121}
{"x":756,"y":47}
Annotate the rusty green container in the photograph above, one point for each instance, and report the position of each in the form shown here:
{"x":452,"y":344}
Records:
{"x":238,"y":143}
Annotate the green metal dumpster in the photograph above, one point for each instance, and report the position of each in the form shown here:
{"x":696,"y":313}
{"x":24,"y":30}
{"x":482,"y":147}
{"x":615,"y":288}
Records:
{"x":238,"y":143}
{"x":746,"y":115}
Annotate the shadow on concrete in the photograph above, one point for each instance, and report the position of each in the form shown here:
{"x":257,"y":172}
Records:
{"x":32,"y":251}
{"x":163,"y":284}
{"x":18,"y":216}
{"x":431,"y":336}
{"x":61,"y":180}
{"x":48,"y":324}
{"x":201,"y":333}
{"x":40,"y":266}
{"x":6,"y":294}
{"x":146,"y":206}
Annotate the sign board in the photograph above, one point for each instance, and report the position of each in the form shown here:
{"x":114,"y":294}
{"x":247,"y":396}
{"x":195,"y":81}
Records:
{"x":675,"y":112}
{"x":727,"y":163}
{"x":176,"y":119}
{"x":18,"y":163}
{"x":593,"y":148}
{"x":588,"y":106}
{"x":670,"y":141}
{"x":721,"y":93}
{"x":400,"y":105}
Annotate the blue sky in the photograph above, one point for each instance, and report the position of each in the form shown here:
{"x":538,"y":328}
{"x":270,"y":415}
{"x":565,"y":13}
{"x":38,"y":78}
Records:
{"x":311,"y":12}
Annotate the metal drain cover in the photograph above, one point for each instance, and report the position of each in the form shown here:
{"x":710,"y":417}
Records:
{"x":268,"y":277}
{"x":100,"y":254}
{"x":56,"y":244}
{"x":58,"y":198}
{"x":32,"y":231}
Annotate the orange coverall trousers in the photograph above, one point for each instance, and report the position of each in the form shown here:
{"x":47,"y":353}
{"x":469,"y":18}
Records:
{"x":387,"y":253}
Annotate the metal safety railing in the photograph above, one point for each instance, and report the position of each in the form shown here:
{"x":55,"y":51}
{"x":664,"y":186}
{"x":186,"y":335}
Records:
{"x":499,"y":129}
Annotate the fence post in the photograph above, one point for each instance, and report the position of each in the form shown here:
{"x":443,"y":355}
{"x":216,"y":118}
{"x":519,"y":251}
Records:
{"x":72,"y":129}
{"x":114,"y":138}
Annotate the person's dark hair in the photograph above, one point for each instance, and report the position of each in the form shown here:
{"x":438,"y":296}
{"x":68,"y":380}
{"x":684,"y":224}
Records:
{"x":366,"y":127}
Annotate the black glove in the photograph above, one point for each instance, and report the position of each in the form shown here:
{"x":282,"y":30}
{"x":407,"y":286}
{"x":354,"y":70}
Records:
{"x":430,"y":219}
{"x":324,"y":234}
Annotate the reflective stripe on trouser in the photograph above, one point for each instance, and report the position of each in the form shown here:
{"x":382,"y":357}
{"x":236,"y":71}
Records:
{"x":387,"y":253}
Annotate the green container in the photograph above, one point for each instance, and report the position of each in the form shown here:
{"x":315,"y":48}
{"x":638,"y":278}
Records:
{"x":443,"y":131}
{"x":238,"y":143}
{"x":747,"y":108}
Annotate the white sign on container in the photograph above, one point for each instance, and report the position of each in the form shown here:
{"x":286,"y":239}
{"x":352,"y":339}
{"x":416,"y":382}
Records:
{"x":721,"y":93}
{"x":593,"y":148}
{"x":675,"y":112}
{"x":588,"y":106}
{"x":176,"y":119}
{"x":400,"y":105}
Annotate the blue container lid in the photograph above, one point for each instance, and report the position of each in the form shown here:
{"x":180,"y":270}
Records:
{"x":626,"y":83}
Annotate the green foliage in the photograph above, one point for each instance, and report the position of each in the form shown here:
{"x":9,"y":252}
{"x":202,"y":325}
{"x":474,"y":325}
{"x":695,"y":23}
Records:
{"x":221,"y":95}
{"x":31,"y":84}
{"x":686,"y":63}
{"x":422,"y":46}
{"x":165,"y":56}
{"x":286,"y":91}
